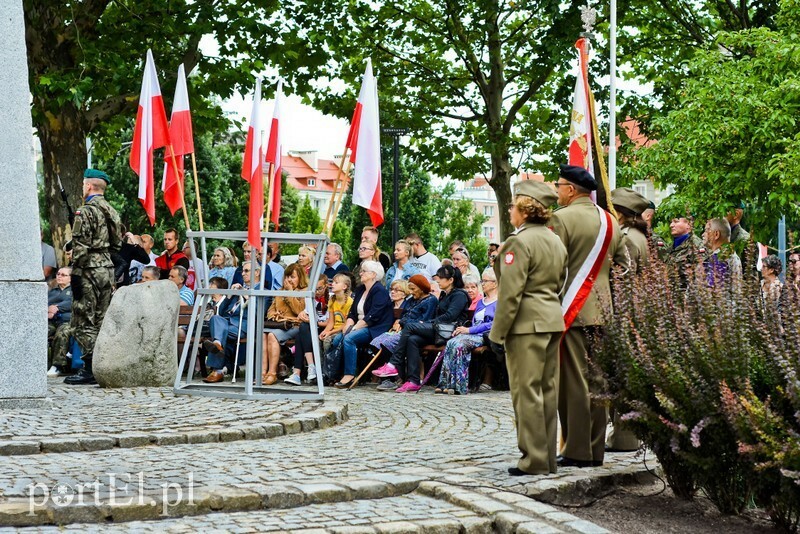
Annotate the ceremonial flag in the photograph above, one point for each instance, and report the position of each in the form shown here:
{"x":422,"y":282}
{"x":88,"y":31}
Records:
{"x":151,"y":132}
{"x":180,"y":132}
{"x":274,"y":150}
{"x":580,"y":126}
{"x":253,"y":171}
{"x":365,"y":149}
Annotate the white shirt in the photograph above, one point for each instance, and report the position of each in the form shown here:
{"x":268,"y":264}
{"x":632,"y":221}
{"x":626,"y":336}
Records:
{"x":428,"y":263}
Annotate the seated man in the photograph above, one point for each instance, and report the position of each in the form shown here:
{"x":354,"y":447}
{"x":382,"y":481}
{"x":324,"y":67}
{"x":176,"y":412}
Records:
{"x":228,"y":325}
{"x":333,"y":261}
{"x":150,"y":273}
{"x":59,"y":312}
{"x":178,"y":276}
{"x":171,"y":256}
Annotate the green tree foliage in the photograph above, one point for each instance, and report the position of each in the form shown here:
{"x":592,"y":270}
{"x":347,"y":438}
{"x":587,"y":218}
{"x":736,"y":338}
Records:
{"x":735,"y":135}
{"x":306,"y":220}
{"x":85,"y":68}
{"x":477,"y":82}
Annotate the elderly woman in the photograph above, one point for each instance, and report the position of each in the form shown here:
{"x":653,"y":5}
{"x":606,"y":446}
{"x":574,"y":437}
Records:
{"x":771,"y":285}
{"x":399,"y":292}
{"x":370,"y":315}
{"x":528,"y":322}
{"x":222,"y":265}
{"x":454,"y":377}
{"x":305,"y":257}
{"x":451,"y":309}
{"x":402,"y":269}
{"x":474,"y":292}
{"x":290,"y":310}
{"x":461,"y":261}
{"x":420,"y":307}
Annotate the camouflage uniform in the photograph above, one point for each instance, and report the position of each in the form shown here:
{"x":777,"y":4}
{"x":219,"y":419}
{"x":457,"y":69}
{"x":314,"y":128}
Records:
{"x":96,"y":234}
{"x":660,"y":246}
{"x":688,"y":253}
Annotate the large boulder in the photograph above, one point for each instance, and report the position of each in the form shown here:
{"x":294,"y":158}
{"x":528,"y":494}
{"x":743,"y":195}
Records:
{"x":137,"y":344}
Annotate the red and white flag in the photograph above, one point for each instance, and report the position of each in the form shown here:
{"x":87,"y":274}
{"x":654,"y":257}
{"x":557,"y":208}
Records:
{"x":580,"y":125}
{"x":253,"y":171}
{"x":274,"y":150}
{"x":365,"y":149}
{"x":180,"y":133}
{"x":151,"y":132}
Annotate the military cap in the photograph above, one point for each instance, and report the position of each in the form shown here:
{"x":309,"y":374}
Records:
{"x":626,"y":197}
{"x":578,"y":176}
{"x":651,"y":205}
{"x":537,"y":190}
{"x":94,"y":173}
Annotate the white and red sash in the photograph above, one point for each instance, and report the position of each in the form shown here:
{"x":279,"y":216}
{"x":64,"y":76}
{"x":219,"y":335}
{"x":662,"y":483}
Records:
{"x":582,"y":284}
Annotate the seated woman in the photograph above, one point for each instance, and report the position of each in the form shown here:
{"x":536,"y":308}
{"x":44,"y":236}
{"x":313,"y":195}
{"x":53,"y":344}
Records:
{"x":402,"y":269}
{"x":454,"y":377}
{"x":305,"y":258}
{"x":221,"y":265}
{"x":474,"y":291}
{"x":366,"y":251}
{"x":420,"y":307}
{"x":461,"y":261}
{"x":399,"y":292}
{"x":452,"y":309}
{"x":289,"y":309}
{"x":370,"y":316}
{"x":304,"y":344}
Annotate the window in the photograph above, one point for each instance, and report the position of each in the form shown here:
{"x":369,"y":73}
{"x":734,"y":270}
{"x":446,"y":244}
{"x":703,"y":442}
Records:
{"x":312,"y":182}
{"x":488,"y":211}
{"x":317,"y":204}
{"x":641,"y":189}
{"x":488,"y":232}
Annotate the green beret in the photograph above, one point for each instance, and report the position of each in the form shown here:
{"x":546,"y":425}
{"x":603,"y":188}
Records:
{"x":540,"y":191}
{"x":651,"y":205}
{"x":94,"y":173}
{"x":625,"y":197}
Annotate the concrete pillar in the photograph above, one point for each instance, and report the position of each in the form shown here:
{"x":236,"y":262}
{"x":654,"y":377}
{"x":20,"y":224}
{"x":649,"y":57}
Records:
{"x":23,"y":294}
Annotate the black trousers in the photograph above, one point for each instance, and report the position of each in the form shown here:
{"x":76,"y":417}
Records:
{"x":413,"y":337}
{"x":303,"y":344}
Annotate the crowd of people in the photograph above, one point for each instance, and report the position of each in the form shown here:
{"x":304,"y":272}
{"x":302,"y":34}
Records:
{"x":535,"y":303}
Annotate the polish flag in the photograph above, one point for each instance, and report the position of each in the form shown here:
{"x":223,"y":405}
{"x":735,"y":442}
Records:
{"x":365,"y":149}
{"x":151,"y":132}
{"x":274,"y":150}
{"x":580,"y":126}
{"x":180,"y":132}
{"x":253,"y":171}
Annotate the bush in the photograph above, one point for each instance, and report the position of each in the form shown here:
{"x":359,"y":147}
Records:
{"x":707,"y":378}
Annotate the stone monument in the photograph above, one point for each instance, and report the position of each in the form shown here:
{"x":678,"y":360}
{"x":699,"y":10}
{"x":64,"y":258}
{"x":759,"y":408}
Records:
{"x":23,"y":294}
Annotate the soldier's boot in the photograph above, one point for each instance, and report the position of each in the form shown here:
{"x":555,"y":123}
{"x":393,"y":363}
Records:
{"x":84,"y":376}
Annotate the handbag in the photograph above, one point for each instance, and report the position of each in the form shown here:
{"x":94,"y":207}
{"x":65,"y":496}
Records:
{"x":444,"y":331}
{"x":278,"y":325}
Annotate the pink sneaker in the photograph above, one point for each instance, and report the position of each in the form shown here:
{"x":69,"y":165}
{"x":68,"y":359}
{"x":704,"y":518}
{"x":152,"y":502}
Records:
{"x":386,"y":371}
{"x":408,"y":387}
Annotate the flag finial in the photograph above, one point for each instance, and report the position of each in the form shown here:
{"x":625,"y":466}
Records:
{"x":589,"y":18}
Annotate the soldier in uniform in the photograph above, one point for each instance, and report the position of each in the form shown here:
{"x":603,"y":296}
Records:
{"x":687,"y":249}
{"x":629,"y":206}
{"x":528,"y":322}
{"x":580,"y":225}
{"x":96,"y":234}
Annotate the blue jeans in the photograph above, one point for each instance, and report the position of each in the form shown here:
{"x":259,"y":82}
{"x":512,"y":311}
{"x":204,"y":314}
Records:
{"x":354,"y":339}
{"x":224,"y":330}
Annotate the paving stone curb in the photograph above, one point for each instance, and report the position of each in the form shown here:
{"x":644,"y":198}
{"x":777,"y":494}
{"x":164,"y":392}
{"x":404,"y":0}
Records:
{"x":324,"y":417}
{"x":201,"y":501}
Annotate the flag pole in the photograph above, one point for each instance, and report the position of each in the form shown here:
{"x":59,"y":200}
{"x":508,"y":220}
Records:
{"x":598,"y":145}
{"x":180,"y":186}
{"x":197,"y":193}
{"x":330,"y":216}
{"x":269,"y":196}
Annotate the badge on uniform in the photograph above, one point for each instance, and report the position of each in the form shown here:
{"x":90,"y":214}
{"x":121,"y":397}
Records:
{"x":509,"y":258}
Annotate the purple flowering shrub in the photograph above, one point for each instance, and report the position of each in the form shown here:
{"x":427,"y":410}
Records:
{"x":673,"y":347}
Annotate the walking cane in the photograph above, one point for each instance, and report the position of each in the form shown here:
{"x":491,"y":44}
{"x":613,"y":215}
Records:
{"x":434,"y":366}
{"x":355,"y":381}
{"x":238,"y":339}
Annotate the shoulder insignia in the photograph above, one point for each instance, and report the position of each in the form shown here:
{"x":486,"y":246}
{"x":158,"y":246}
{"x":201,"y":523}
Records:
{"x":508,"y":259}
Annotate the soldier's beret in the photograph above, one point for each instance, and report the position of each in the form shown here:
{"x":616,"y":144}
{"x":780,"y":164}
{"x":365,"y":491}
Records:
{"x":578,"y":176}
{"x":651,"y":205}
{"x":626,"y":197}
{"x":94,"y":173}
{"x":540,"y":191}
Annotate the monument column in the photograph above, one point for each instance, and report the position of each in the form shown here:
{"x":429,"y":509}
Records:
{"x":23,"y":293}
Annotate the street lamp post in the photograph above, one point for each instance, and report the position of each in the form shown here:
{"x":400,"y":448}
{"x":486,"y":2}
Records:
{"x":396,"y":133}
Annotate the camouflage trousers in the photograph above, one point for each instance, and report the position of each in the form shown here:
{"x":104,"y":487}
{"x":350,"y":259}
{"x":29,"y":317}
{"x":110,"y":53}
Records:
{"x":60,"y":346}
{"x":89,"y":310}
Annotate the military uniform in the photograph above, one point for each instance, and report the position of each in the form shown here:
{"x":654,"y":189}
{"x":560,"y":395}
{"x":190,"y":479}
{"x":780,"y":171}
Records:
{"x":528,"y":321}
{"x":583,"y":421}
{"x":96,"y":234}
{"x":660,"y":246}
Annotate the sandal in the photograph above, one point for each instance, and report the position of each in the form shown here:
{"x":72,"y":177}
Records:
{"x":438,"y":391}
{"x":485,"y":387}
{"x":268,"y":379}
{"x":450,"y":391}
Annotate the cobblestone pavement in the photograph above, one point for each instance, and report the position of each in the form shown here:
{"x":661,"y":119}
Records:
{"x":401,"y":452}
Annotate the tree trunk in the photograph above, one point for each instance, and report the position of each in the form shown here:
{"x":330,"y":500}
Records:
{"x":501,"y":184}
{"x":63,"y":140}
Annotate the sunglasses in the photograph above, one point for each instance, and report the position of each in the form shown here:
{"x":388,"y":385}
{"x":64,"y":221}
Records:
{"x":362,"y":249}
